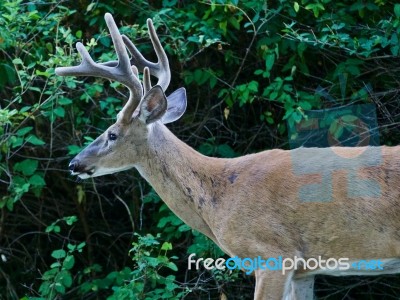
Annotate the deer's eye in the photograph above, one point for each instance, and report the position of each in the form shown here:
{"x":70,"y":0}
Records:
{"x":112,"y":136}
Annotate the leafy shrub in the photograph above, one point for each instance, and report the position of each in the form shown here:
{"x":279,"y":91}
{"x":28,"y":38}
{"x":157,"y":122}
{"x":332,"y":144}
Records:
{"x":250,"y":68}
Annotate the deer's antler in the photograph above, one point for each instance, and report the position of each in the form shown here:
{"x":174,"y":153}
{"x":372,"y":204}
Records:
{"x":161,"y":68}
{"x":124,"y":69}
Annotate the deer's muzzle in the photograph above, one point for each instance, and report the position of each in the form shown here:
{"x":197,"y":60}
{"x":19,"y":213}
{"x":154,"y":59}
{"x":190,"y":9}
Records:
{"x":77,"y":168}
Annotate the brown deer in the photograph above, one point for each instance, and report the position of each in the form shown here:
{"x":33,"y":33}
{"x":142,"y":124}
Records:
{"x":255,"y":205}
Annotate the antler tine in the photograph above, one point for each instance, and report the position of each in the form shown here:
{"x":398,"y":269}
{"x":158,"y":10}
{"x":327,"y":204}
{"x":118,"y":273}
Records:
{"x":146,"y":80}
{"x":120,"y":70}
{"x":161,"y":68}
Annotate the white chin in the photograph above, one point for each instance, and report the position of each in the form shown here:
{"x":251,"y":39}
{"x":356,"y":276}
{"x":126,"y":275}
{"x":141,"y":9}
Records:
{"x":84,"y":176}
{"x":103,"y":171}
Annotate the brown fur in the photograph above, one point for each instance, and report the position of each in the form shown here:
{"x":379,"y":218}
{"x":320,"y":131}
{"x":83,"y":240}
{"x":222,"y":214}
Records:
{"x":250,"y":205}
{"x":253,"y":205}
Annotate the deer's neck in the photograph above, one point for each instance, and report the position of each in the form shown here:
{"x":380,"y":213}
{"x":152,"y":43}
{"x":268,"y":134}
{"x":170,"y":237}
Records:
{"x":183,"y":178}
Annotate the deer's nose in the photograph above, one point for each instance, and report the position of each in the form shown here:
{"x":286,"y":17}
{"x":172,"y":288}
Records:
{"x":72,"y":166}
{"x":75,"y":166}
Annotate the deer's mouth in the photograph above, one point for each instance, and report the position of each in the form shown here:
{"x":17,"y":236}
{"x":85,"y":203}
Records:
{"x":82,"y":171}
{"x":78,"y":169}
{"x":90,"y":173}
{"x":85,"y":174}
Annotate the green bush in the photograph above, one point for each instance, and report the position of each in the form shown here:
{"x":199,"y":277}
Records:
{"x":251,"y":69}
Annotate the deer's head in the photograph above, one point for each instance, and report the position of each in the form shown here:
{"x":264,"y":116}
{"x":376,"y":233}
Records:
{"x":120,"y":147}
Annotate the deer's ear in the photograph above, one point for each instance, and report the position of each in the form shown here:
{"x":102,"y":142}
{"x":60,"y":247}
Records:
{"x":153,"y":105}
{"x":177,"y":103}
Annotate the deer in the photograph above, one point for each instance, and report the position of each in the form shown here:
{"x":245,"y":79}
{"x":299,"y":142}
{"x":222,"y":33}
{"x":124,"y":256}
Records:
{"x":258,"y":205}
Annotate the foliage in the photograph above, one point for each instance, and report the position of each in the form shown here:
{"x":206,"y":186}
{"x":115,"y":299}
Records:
{"x":252,"y":69}
{"x":59,"y":277}
{"x":147,"y":282}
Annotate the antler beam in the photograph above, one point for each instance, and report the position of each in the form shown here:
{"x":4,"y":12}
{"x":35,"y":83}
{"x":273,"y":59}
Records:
{"x":161,"y":68}
{"x":124,"y":69}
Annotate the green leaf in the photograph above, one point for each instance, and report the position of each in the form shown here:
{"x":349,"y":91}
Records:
{"x":171,"y":286}
{"x":316,"y":8}
{"x":273,"y":95}
{"x":41,"y":73}
{"x":71,"y":247}
{"x":55,"y":265}
{"x":34,"y":140}
{"x":305,"y":105}
{"x":59,"y":288}
{"x":213,"y":81}
{"x":395,"y":50}
{"x":296,"y":117}
{"x":172,"y":266}
{"x":223,"y":25}
{"x":201,"y":76}
{"x":194,"y":39}
{"x":78,"y":34}
{"x":44,"y":289}
{"x":37,"y":180}
{"x":349,"y":118}
{"x":301,"y":48}
{"x":153,"y":261}
{"x":58,"y":254}
{"x":70,"y":220}
{"x":3,"y":201}
{"x":235,"y":23}
{"x":26,"y":167}
{"x":225,"y":150}
{"x":73,"y":149}
{"x":90,"y":6}
{"x":338,"y":133}
{"x":17,"y":61}
{"x":169,"y":3}
{"x":184,"y":228}
{"x":296,"y":7}
{"x":253,"y":86}
{"x":65,"y":278}
{"x":81,"y":194}
{"x":206,"y":149}
{"x":166,"y":246}
{"x":53,"y":227}
{"x":50,"y":274}
{"x":333,"y":127}
{"x":23,"y":131}
{"x":59,"y":111}
{"x":69,"y":262}
{"x":81,"y":245}
{"x":397,"y":10}
{"x":269,"y":61}
{"x":64,"y":101}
